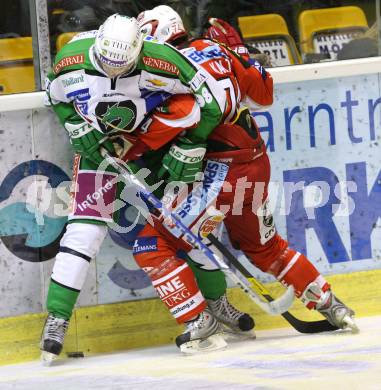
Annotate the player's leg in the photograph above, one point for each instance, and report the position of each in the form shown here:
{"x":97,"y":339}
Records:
{"x":293,"y":268}
{"x":253,"y":231}
{"x":81,"y":242}
{"x":78,"y":246}
{"x":176,"y":286}
{"x":210,"y":279}
{"x":212,"y":283}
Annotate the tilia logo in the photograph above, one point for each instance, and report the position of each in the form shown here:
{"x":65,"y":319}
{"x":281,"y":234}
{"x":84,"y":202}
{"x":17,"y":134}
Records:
{"x":73,"y":80}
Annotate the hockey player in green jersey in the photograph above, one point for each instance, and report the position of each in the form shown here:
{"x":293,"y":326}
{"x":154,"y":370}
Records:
{"x":103,"y":85}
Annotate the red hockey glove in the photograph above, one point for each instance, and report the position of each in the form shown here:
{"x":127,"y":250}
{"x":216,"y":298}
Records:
{"x":223,"y":32}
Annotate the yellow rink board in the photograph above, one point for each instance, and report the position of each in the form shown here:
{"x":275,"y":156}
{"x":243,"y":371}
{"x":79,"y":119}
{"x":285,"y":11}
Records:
{"x":121,"y":326}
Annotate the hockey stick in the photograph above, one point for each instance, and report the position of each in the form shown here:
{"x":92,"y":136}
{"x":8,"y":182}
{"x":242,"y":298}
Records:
{"x":299,"y":325}
{"x":274,"y":307}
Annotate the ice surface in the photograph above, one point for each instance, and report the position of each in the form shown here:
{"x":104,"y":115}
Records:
{"x":277,"y":359}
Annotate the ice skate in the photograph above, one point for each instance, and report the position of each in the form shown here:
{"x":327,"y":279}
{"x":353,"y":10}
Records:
{"x":52,"y":338}
{"x":236,"y":323}
{"x":201,"y":335}
{"x":337,"y":313}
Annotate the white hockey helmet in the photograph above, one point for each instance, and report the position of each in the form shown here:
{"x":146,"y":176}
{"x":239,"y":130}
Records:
{"x":118,"y":44}
{"x":163,"y":23}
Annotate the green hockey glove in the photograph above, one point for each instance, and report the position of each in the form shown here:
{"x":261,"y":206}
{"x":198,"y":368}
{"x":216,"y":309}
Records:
{"x":183,"y":162}
{"x":87,"y":141}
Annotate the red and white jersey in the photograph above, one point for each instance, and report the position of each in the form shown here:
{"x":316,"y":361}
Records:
{"x":242,"y":82}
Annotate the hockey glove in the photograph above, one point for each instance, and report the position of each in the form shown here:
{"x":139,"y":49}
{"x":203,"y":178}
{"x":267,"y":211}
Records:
{"x":87,"y":141}
{"x":183,"y":162}
{"x":223,"y":32}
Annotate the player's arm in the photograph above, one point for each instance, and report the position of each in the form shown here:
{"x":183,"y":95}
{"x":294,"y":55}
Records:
{"x":85,"y":139}
{"x":167,"y":122}
{"x":173,"y":121}
{"x":194,"y":79}
{"x":178,"y":115}
{"x":255,"y":82}
{"x":184,"y":159}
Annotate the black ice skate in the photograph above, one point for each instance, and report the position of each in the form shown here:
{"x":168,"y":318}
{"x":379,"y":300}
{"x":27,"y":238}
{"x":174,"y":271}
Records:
{"x":235,"y":322}
{"x":201,"y":335}
{"x":52,"y":338}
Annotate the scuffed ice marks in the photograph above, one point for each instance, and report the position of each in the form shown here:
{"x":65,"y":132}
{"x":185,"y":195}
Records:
{"x":123,"y":382}
{"x":282,"y":368}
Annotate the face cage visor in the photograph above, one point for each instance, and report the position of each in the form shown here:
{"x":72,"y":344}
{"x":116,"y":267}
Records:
{"x":114,"y":68}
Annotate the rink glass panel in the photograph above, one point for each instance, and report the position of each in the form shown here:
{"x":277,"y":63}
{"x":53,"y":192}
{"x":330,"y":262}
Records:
{"x":293,"y":32}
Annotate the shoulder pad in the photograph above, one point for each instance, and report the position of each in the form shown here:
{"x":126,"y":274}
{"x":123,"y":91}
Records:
{"x":74,"y":55}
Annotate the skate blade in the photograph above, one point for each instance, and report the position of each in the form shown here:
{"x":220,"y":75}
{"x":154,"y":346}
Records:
{"x":47,"y":358}
{"x":212,"y":343}
{"x":350,"y":323}
{"x":239,"y":335}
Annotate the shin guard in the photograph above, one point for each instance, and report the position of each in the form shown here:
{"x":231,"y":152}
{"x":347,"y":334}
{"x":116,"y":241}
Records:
{"x":293,"y":268}
{"x":171,"y":276}
{"x":80,"y":243}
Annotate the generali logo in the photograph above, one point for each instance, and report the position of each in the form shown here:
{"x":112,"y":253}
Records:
{"x":161,"y":64}
{"x":68,"y":61}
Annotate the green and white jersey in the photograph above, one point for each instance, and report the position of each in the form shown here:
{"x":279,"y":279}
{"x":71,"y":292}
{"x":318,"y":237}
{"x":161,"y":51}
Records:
{"x":79,"y":90}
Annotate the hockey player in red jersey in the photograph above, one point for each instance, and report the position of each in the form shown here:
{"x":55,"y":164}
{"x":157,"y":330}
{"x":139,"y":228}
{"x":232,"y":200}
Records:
{"x":238,"y":145}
